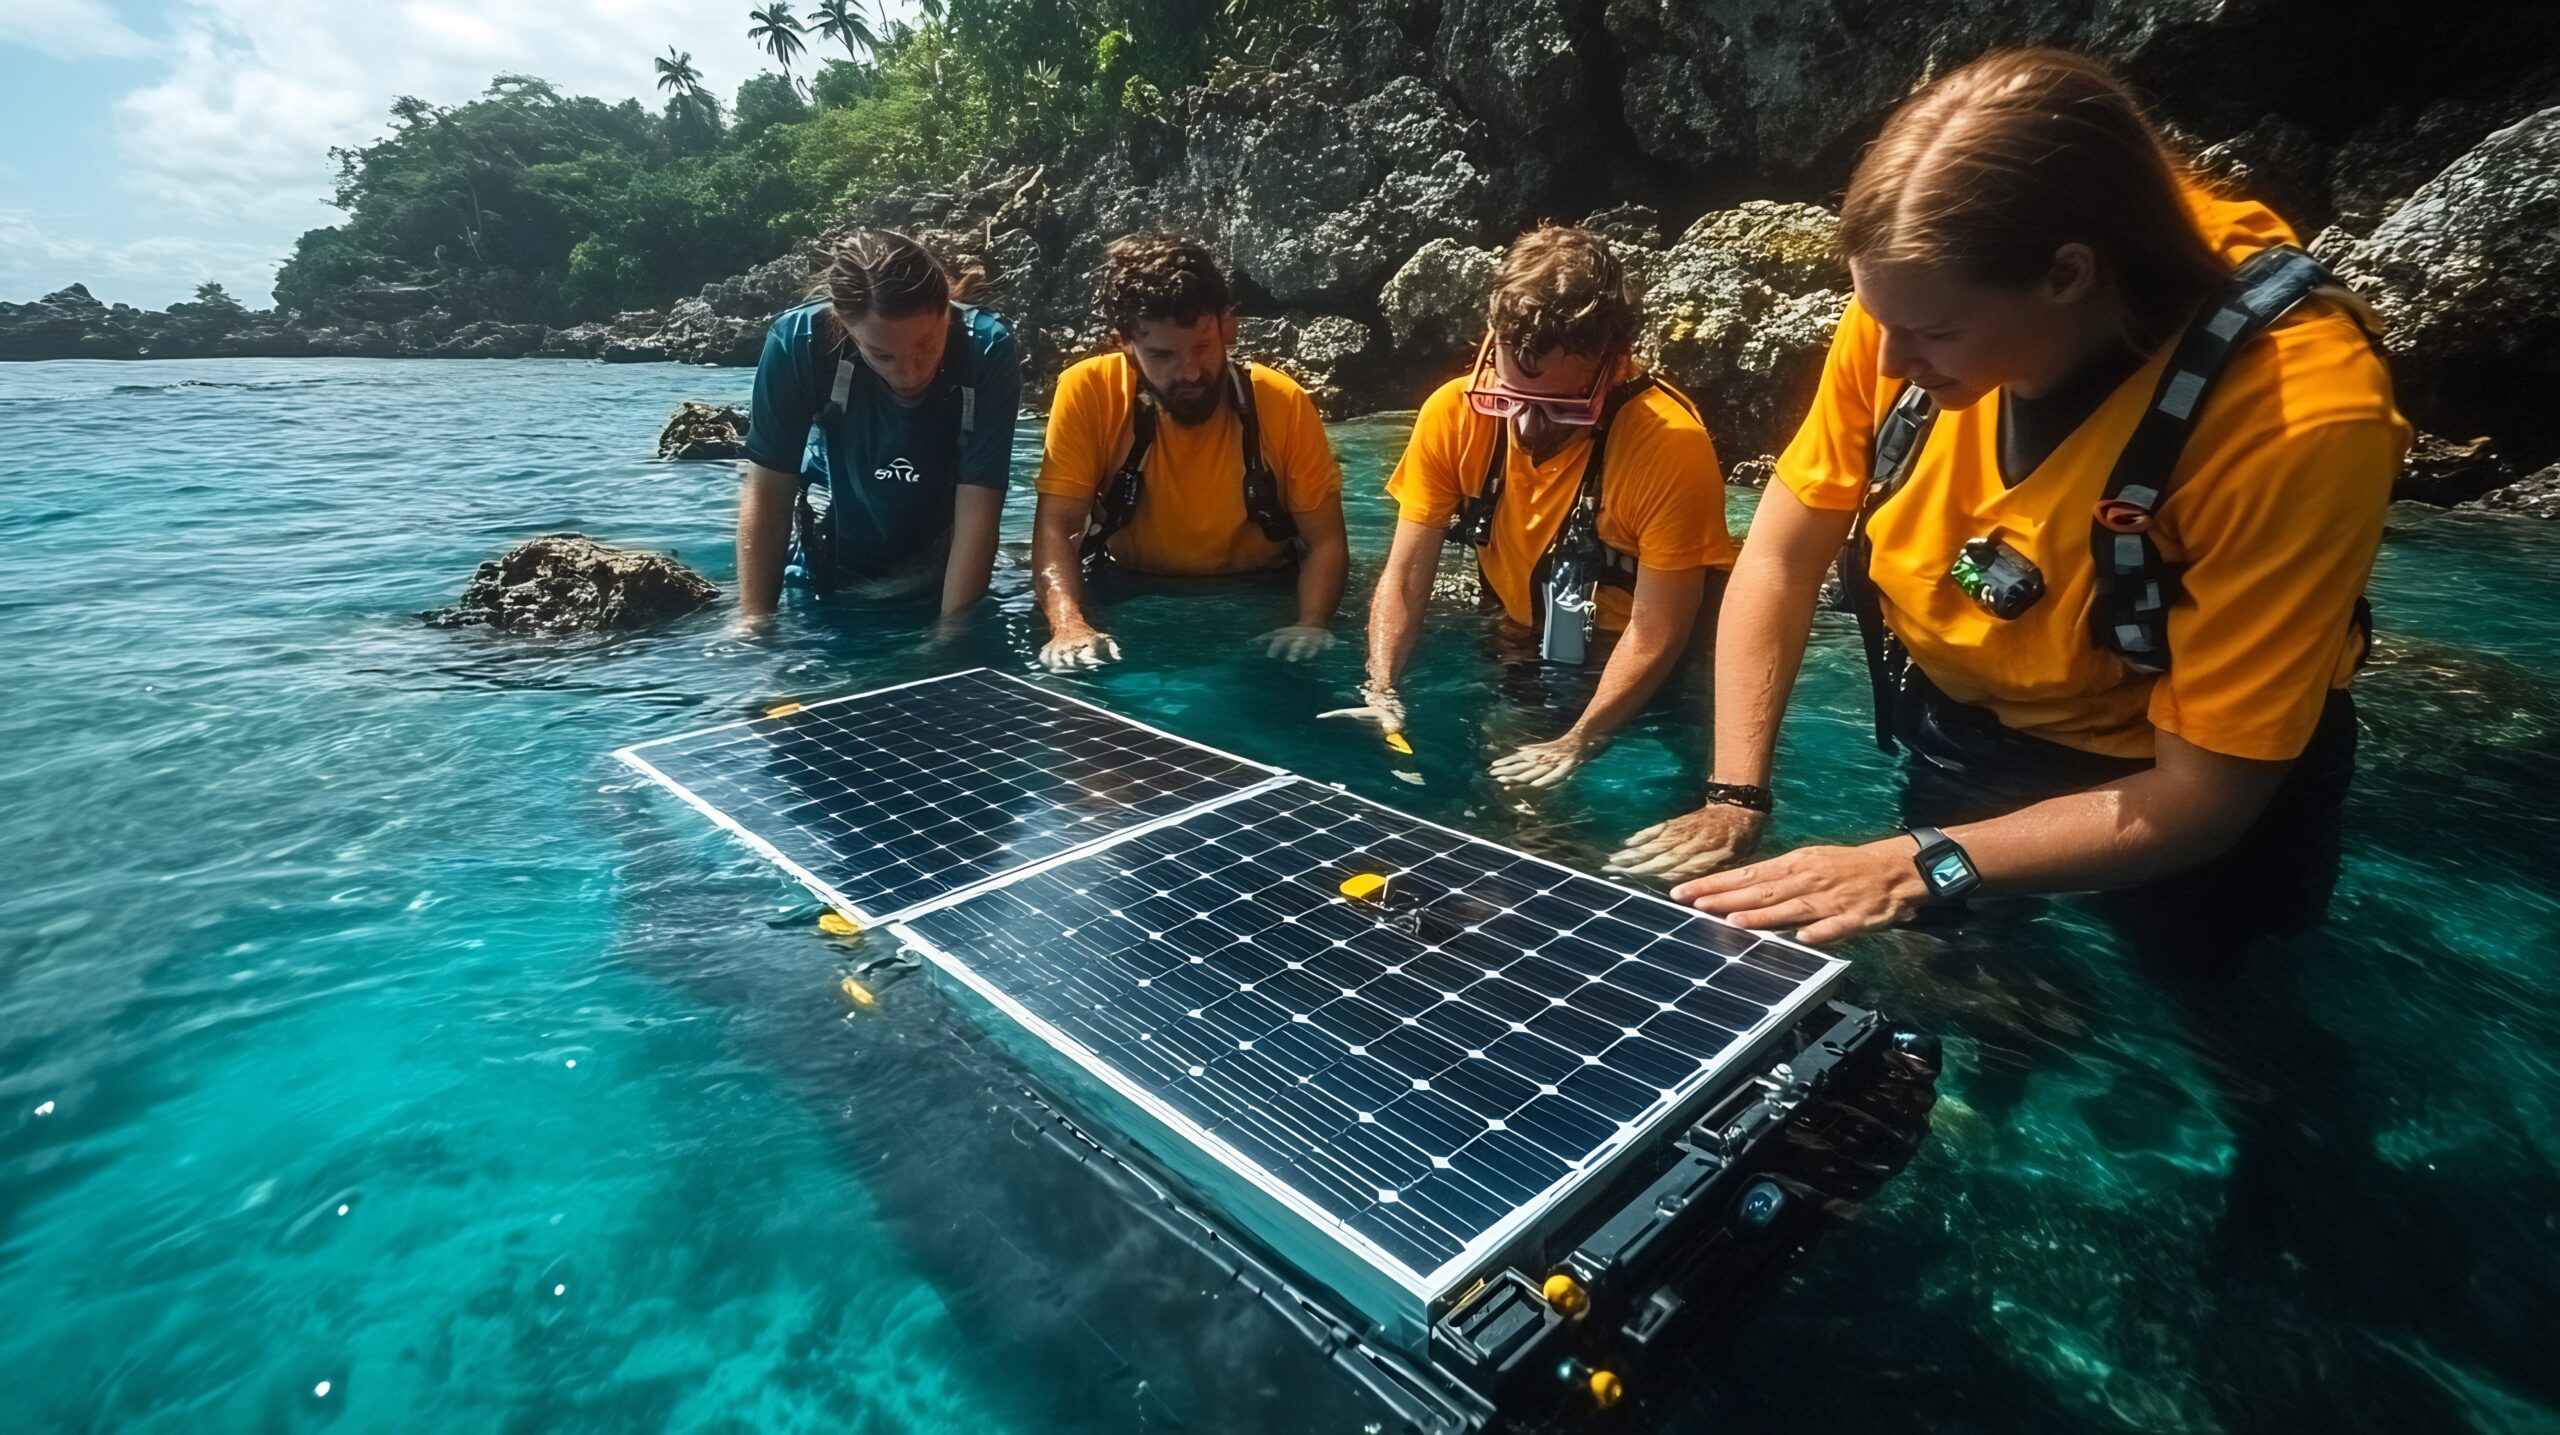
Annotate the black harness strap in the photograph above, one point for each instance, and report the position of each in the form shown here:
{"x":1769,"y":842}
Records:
{"x":2129,"y":614}
{"x":1116,"y":502}
{"x":1899,"y":439}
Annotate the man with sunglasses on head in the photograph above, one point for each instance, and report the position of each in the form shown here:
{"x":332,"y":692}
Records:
{"x":1588,"y":489}
{"x":1169,"y":456}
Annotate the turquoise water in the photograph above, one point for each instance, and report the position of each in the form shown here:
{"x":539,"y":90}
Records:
{"x":390,"y":1039}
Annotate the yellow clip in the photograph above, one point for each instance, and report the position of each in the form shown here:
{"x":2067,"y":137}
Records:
{"x":859,"y":994}
{"x":1396,"y":743}
{"x":1607,"y":1389}
{"x":836,"y":924}
{"x":1365,"y":887}
{"x":786,"y":710}
{"x":1566,"y":1294}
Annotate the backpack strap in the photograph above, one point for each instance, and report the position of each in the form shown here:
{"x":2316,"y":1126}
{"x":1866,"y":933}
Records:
{"x":1900,"y":436}
{"x":2129,"y":613}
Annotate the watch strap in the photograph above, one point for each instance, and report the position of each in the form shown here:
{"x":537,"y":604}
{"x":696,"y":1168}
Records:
{"x":1735,"y":794}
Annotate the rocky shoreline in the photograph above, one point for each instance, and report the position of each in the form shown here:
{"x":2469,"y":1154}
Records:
{"x":1361,"y":181}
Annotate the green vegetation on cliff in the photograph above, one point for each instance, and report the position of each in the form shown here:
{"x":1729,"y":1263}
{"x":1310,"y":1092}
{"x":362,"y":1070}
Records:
{"x":530,"y":205}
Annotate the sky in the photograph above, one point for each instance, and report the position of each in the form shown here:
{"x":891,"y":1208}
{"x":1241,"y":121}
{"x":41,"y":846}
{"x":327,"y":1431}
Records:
{"x":147,"y":146}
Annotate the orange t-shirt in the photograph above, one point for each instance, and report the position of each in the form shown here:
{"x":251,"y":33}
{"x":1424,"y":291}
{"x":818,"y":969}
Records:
{"x":1190,"y":518}
{"x":1661,"y":492}
{"x":2276,"y":513}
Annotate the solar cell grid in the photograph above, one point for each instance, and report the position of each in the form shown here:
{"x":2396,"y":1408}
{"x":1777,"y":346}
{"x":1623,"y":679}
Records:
{"x":891,"y":799}
{"x":1417,"y":1070}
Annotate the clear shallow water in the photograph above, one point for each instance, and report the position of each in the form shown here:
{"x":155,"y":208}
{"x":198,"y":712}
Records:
{"x":395,"y":1039}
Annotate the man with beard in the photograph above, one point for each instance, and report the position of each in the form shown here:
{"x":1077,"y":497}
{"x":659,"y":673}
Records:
{"x":1166,"y":456}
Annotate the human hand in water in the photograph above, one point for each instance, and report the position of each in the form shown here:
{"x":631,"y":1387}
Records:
{"x":1080,"y":647}
{"x":1545,"y":764}
{"x":1694,"y":842}
{"x":1379,"y":705}
{"x":1824,"y":893}
{"x":1295,"y":643}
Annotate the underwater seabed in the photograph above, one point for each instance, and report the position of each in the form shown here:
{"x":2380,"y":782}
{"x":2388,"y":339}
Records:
{"x":389,"y":1037}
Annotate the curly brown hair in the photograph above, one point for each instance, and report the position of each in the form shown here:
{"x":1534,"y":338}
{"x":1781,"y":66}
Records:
{"x":1160,"y":277}
{"x":1561,"y":289}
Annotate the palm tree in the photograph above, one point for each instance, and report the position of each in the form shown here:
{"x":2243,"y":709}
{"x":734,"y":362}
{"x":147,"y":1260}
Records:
{"x":779,"y":31}
{"x":841,"y":20}
{"x":676,"y":73}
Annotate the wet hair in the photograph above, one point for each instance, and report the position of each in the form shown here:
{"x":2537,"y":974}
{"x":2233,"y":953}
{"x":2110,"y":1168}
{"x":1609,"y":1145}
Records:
{"x":875,"y":273}
{"x":1995,"y":166}
{"x":1158,"y":277}
{"x":1561,"y":289}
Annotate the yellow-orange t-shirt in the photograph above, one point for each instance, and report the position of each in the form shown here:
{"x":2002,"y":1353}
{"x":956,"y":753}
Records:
{"x":2275,"y":514}
{"x":1190,"y":518}
{"x":1661,"y":492}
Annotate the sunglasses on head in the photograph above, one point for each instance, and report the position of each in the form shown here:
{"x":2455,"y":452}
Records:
{"x":1488,"y":395}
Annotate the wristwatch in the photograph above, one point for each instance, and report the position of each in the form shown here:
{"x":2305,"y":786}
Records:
{"x":1944,"y":866}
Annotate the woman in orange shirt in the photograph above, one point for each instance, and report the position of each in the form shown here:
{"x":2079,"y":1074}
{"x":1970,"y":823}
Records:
{"x":2131,"y":455}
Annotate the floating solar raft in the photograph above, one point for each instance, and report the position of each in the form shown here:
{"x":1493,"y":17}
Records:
{"x":1463,"y":1093}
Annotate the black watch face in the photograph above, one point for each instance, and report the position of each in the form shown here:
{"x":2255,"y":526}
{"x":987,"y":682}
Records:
{"x":1948,"y":872}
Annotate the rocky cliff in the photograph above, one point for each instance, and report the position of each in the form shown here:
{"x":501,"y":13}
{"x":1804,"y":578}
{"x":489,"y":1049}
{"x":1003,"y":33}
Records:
{"x":1360,"y":181}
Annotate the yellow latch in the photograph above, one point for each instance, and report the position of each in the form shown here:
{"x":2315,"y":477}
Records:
{"x":1365,"y":887}
{"x":1607,"y":1389}
{"x":836,"y":924}
{"x":786,"y":710}
{"x":859,"y":994}
{"x":1566,"y":1294}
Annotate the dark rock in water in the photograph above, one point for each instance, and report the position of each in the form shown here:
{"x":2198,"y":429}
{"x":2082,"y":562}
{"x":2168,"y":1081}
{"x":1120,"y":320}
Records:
{"x":2466,"y":277}
{"x":2536,"y":495}
{"x":568,"y":583}
{"x":2443,"y":472}
{"x":700,"y":430}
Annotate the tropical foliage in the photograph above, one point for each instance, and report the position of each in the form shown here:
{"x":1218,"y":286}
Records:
{"x":528,"y":204}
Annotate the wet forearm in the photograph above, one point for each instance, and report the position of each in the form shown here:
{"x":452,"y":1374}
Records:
{"x":974,"y":517}
{"x":1395,"y":613}
{"x":764,"y":538}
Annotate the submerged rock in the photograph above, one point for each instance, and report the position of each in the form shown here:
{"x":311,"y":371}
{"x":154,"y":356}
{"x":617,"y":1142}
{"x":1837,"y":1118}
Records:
{"x":700,"y":430}
{"x":2466,"y":275}
{"x":569,"y":583}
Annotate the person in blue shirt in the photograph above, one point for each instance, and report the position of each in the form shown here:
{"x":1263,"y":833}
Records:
{"x":910,"y":395}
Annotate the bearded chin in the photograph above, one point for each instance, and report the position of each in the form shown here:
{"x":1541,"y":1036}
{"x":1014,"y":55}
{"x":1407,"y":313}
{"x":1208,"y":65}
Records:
{"x":1191,"y":408}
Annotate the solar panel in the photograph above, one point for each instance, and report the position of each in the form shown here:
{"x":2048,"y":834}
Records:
{"x":1417,"y":1077}
{"x":884,"y":801}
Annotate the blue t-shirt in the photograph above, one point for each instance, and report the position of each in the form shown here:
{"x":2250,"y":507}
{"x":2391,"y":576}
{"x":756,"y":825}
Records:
{"x":889,"y":466}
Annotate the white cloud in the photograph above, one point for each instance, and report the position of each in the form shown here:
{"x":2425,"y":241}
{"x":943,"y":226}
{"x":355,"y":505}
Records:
{"x":149,"y":272}
{"x":233,"y":139}
{"x":69,"y":29}
{"x":258,"y":90}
